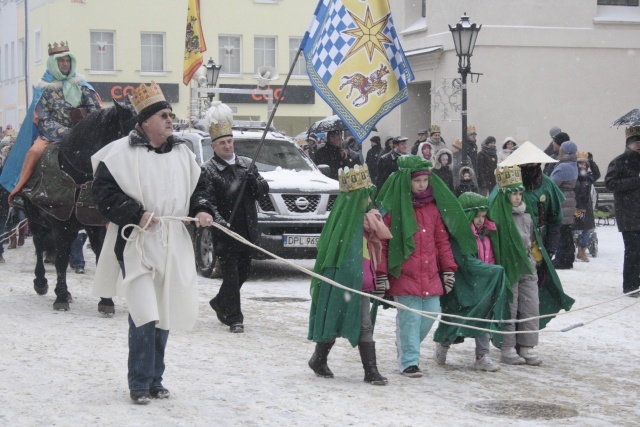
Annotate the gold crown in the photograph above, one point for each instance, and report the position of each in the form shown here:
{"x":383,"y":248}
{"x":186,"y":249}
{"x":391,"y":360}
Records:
{"x":458,"y":144}
{"x":144,"y":96}
{"x":509,"y":177}
{"x":220,"y":129}
{"x":471,"y":129}
{"x":58,"y":48}
{"x":434,"y":128}
{"x":632,"y":131}
{"x":354,"y":179}
{"x":583,"y":156}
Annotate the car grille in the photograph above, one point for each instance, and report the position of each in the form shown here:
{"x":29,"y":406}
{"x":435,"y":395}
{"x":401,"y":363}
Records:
{"x":332,"y":200}
{"x":300,"y":203}
{"x":265,"y":204}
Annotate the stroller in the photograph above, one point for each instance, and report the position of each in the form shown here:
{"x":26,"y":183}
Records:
{"x":592,"y":247}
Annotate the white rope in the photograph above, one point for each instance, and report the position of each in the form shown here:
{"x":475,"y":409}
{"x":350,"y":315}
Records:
{"x":9,"y":234}
{"x":427,"y":314}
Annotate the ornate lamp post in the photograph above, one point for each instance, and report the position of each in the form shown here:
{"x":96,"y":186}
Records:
{"x":464,"y":37}
{"x":213,"y":71}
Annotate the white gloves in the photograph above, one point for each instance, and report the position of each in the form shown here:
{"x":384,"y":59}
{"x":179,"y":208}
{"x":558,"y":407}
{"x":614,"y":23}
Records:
{"x":448,"y":279}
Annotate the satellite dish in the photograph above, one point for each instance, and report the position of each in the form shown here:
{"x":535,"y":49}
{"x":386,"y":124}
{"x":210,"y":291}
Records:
{"x":266,"y":74}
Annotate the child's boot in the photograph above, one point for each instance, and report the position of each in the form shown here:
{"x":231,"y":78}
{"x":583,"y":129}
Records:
{"x":511,"y":357}
{"x":318,"y":361}
{"x":529,"y":356}
{"x":582,"y":254}
{"x":440,"y":354}
{"x":368,"y":356}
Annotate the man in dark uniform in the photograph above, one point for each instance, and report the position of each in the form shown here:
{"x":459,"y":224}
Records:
{"x":331,"y":153}
{"x":388,"y":163}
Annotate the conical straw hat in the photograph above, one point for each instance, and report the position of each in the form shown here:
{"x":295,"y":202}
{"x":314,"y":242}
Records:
{"x":527,"y":153}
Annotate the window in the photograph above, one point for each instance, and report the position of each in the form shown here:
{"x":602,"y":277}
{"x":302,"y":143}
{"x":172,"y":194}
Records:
{"x":264,"y":52}
{"x":21,"y":56}
{"x":13,"y":59}
{"x":7,"y":75}
{"x":38,"y":46}
{"x":229,"y":52}
{"x":1,"y":65}
{"x":294,"y":45}
{"x":618,"y":2}
{"x":102,"y":51}
{"x":152,"y":45}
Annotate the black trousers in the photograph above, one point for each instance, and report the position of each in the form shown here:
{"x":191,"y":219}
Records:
{"x":235,"y":267}
{"x":566,"y":253}
{"x":631,"y":267}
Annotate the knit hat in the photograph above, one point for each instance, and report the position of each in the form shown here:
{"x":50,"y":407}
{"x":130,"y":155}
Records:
{"x":560,"y":138}
{"x":458,"y":144}
{"x":375,"y":139}
{"x":569,"y":147}
{"x":219,"y":120}
{"x":148,"y":100}
{"x":633,"y":134}
{"x":472,"y":203}
{"x":555,"y":130}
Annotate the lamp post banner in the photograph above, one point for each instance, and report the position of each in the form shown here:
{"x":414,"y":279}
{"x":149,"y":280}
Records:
{"x":355,"y":61}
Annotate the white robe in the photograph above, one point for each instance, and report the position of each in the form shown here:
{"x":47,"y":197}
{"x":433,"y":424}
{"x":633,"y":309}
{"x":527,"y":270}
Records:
{"x":162,"y":184}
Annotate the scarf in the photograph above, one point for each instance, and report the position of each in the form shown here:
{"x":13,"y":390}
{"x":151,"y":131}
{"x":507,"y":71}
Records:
{"x":423,"y":198}
{"x":488,"y":150}
{"x":71,"y":88}
{"x":377,"y":231}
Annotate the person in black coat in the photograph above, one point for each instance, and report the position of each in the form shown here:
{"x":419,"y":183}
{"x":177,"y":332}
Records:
{"x":224,"y":174}
{"x":330,"y":154}
{"x":588,"y":173}
{"x":373,"y":155}
{"x":466,"y":185}
{"x":623,"y":179}
{"x":487,"y":164}
{"x":443,"y":167}
{"x":423,"y":134}
{"x":388,"y":162}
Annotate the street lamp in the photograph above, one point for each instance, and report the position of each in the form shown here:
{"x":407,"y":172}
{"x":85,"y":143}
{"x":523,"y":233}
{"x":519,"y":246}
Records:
{"x":464,"y":38}
{"x":213,"y":72}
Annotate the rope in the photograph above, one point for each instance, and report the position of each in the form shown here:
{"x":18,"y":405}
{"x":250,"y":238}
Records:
{"x":6,"y":236}
{"x":139,"y":242}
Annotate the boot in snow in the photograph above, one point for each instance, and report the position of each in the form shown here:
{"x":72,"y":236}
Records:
{"x":529,"y":356}
{"x":318,"y":361}
{"x":368,"y":356}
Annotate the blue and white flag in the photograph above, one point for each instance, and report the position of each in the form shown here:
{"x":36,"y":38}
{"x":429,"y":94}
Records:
{"x":355,"y":61}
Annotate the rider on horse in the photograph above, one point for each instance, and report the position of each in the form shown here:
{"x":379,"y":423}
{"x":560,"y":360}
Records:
{"x":60,"y":100}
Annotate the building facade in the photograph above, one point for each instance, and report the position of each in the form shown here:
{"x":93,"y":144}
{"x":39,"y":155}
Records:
{"x":121,"y":43}
{"x":544,"y":63}
{"x":13,"y":87}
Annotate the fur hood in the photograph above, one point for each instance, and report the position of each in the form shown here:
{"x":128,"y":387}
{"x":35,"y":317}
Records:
{"x":436,"y":159}
{"x":467,"y":169}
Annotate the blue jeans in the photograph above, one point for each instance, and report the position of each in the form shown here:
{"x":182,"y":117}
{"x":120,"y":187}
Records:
{"x":412,"y":329}
{"x":583,"y":238}
{"x":146,"y":353}
{"x":76,"y":257}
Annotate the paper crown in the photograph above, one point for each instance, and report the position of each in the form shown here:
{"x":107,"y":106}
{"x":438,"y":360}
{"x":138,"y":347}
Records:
{"x":144,"y":96}
{"x":354,"y":179}
{"x":508,"y":177}
{"x":58,"y":48}
{"x":471,"y":129}
{"x":458,"y":144}
{"x":219,"y":118}
{"x":632,"y":131}
{"x":583,"y":156}
{"x":434,"y":128}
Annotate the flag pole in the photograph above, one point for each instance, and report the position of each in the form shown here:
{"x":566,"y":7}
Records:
{"x":264,"y":134}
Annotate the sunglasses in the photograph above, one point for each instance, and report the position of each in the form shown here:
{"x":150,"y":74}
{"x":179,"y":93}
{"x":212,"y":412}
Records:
{"x":166,"y":115}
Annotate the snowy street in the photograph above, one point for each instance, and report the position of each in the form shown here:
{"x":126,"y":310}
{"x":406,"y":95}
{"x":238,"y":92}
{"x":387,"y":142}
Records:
{"x":70,"y":368}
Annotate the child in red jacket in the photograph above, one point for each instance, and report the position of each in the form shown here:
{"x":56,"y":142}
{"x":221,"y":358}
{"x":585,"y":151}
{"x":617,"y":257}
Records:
{"x":418,"y":258}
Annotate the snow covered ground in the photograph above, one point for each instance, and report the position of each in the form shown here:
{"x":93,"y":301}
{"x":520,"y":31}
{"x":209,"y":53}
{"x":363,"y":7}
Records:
{"x":69,"y":368}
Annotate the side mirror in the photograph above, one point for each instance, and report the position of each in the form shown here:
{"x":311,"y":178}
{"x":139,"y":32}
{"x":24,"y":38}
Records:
{"x":325,"y":169}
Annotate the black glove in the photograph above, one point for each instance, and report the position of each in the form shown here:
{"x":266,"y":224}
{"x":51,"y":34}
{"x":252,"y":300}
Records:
{"x":218,"y":219}
{"x":590,"y":157}
{"x":448,"y":279}
{"x":382,"y":285}
{"x":252,"y":183}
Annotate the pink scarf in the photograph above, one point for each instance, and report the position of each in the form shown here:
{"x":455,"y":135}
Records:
{"x":423,"y":198}
{"x":377,"y":230}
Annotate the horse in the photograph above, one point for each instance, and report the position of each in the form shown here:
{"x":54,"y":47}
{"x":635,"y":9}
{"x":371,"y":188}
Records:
{"x":64,"y":218}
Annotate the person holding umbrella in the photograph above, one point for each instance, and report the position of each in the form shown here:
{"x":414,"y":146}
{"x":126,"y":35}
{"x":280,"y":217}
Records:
{"x":331,"y":153}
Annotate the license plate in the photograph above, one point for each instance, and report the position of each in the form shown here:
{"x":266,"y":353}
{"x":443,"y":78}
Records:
{"x":300,"y":240}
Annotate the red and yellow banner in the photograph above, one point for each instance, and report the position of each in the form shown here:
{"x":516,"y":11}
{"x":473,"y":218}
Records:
{"x":194,"y":44}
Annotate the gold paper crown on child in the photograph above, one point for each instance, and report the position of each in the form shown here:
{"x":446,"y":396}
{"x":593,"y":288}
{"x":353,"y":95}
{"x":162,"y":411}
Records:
{"x":632,"y":131}
{"x":354,"y":179}
{"x":434,"y":128}
{"x":471,"y":129}
{"x":509,"y":177}
{"x":583,"y":156}
{"x":58,"y":48}
{"x":144,"y":96}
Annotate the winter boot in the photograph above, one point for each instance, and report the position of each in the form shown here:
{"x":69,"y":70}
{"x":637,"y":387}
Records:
{"x":1,"y":259}
{"x":318,"y":361}
{"x":529,"y":356}
{"x":368,"y":356}
{"x":582,"y":254}
{"x":511,"y":357}
{"x":440,"y":354}
{"x":21,"y":237}
{"x":13,"y":241}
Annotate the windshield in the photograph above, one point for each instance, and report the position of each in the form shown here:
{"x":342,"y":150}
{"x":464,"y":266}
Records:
{"x":273,"y":154}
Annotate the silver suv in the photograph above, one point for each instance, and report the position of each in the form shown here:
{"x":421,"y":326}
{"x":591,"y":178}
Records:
{"x":292,"y":215}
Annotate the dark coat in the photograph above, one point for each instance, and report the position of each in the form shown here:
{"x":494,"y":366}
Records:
{"x":223,"y":184}
{"x":386,"y":166}
{"x":584,"y":203}
{"x":472,"y":153}
{"x":550,"y":151}
{"x":487,"y":164}
{"x":445,"y":173}
{"x":331,"y":156}
{"x":623,"y":180}
{"x":373,"y":155}
{"x":565,"y":175}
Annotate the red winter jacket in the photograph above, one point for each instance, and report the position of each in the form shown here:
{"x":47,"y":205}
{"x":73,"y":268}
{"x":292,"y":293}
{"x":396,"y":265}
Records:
{"x":420,"y":274}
